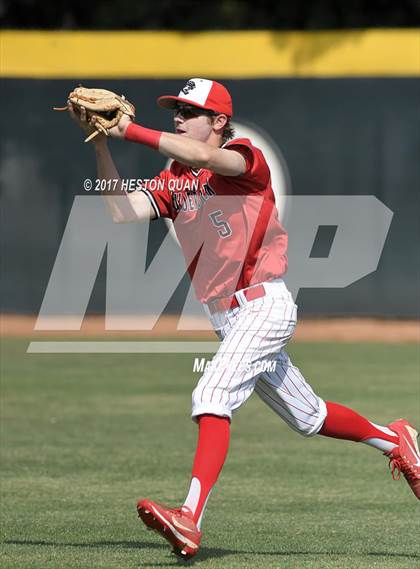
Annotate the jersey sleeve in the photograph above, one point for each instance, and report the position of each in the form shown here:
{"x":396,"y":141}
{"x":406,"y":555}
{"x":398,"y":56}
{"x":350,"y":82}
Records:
{"x":158,"y":192}
{"x":257,"y":173}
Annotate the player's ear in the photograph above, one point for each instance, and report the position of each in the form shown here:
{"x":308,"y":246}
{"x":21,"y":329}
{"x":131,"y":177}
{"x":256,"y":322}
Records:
{"x":219,"y":121}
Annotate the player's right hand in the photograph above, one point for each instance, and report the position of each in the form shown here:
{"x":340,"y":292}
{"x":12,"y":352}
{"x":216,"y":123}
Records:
{"x":81,"y":120}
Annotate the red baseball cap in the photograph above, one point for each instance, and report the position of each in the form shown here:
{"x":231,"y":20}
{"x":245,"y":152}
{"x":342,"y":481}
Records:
{"x":201,"y":93}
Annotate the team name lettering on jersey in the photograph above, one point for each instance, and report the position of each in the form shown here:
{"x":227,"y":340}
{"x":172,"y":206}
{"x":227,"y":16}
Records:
{"x":191,"y":198}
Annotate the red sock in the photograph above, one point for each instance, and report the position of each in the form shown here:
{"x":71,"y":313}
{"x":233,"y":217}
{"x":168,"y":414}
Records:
{"x":344,"y":423}
{"x":212,"y":447}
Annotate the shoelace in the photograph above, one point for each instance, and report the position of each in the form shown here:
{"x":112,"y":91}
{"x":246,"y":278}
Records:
{"x":179,"y":513}
{"x":397,"y":466}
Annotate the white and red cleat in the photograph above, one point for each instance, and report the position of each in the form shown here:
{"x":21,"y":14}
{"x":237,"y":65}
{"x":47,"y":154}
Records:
{"x":175,"y":525}
{"x":405,"y":457}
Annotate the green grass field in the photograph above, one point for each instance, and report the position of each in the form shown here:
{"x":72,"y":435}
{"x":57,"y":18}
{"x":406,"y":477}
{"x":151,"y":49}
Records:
{"x":84,"y":436}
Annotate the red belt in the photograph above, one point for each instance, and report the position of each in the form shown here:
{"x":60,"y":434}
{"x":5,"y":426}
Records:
{"x":229,"y":302}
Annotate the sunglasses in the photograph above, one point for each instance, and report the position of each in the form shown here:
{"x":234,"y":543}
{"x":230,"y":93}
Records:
{"x":189,"y":111}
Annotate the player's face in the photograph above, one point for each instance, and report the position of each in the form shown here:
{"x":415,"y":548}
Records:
{"x":193,"y":122}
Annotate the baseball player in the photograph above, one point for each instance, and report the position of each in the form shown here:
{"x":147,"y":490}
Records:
{"x":218,"y":193}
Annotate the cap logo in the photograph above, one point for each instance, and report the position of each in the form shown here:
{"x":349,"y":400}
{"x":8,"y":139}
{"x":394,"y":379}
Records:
{"x":188,"y":87}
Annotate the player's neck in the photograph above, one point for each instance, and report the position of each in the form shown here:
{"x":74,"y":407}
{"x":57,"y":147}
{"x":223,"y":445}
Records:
{"x":215,"y":140}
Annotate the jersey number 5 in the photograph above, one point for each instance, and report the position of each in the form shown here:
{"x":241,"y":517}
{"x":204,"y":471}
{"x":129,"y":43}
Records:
{"x":223,"y":228}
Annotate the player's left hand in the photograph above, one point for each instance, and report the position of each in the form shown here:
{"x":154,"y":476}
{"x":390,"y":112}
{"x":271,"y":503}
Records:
{"x":118,"y":131}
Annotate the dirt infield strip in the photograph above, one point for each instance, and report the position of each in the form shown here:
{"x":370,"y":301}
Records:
{"x":322,"y":330}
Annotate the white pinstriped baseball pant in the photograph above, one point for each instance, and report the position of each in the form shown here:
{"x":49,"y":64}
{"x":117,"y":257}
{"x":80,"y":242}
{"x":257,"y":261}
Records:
{"x":251,"y":358}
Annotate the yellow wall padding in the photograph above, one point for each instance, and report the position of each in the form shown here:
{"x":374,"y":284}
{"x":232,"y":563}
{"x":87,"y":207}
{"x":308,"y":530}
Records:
{"x":221,"y":54}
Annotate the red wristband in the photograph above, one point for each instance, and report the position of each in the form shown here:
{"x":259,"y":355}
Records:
{"x":136,"y":133}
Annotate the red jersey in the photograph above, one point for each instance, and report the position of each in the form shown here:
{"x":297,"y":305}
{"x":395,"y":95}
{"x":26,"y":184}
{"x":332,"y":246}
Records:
{"x":227,"y":226}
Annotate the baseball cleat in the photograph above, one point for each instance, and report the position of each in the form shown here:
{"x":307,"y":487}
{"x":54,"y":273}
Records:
{"x":405,"y":457}
{"x":175,"y":525}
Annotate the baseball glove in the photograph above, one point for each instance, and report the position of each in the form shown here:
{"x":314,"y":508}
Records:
{"x":105,"y":107}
